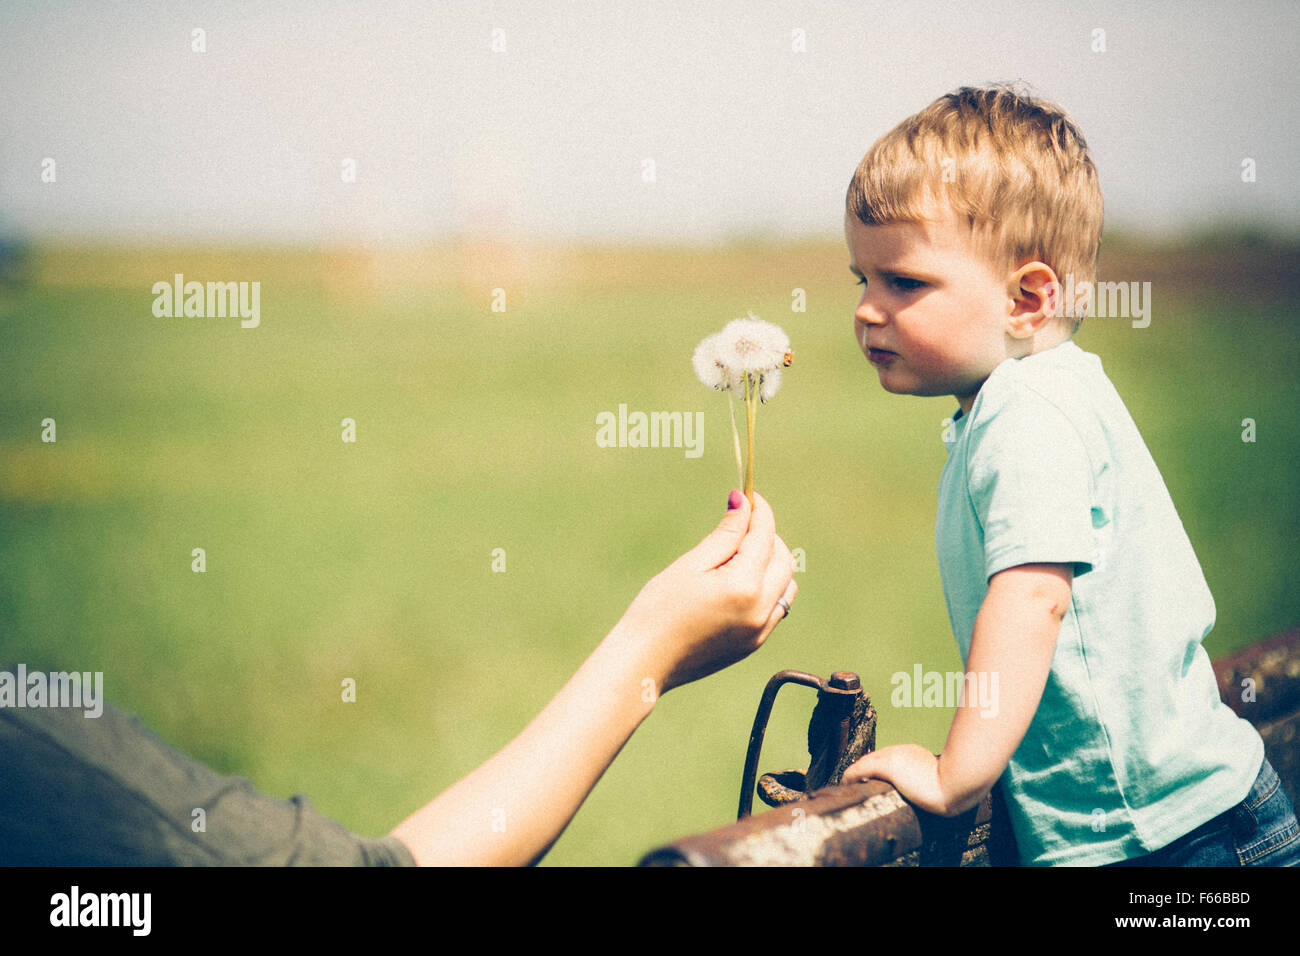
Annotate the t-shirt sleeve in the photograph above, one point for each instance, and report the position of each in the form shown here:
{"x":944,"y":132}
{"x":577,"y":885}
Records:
{"x":1031,"y":485}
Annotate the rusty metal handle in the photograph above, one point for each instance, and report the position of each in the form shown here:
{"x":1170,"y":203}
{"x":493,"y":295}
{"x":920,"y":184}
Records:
{"x":760,"y":729}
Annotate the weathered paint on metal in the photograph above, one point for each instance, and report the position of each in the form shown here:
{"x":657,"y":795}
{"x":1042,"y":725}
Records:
{"x":857,"y":824}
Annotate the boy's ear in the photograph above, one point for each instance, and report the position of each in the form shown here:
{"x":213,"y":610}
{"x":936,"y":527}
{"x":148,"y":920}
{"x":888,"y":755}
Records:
{"x":1035,"y":297}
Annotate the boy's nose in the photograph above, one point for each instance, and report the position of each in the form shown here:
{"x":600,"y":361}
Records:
{"x":867,"y":312}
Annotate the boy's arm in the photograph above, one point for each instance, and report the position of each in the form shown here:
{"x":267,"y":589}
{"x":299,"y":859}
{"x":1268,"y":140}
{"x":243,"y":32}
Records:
{"x":1011,"y":648}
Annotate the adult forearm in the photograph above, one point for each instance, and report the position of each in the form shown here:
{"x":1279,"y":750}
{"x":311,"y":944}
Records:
{"x":711,"y":607}
{"x":512,"y":808}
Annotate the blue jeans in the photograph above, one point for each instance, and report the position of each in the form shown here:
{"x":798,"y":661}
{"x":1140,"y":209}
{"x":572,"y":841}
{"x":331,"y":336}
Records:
{"x":1260,"y":831}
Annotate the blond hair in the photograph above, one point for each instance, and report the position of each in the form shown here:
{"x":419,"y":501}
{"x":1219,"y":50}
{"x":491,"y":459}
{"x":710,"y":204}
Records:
{"x":1016,"y":167}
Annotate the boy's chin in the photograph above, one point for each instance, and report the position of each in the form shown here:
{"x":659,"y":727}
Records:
{"x":897,"y":385}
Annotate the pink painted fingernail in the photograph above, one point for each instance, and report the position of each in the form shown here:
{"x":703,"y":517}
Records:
{"x":734,"y":500}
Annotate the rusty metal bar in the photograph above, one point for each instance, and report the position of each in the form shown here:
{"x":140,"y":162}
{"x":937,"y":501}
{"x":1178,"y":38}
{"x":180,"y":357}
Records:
{"x":1262,"y":684}
{"x":858,"y":824}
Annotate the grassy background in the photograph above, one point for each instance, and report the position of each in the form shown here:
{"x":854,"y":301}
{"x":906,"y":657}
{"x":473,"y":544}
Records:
{"x":476,"y":431}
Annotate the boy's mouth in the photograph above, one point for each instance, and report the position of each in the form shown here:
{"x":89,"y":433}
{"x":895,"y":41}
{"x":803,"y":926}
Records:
{"x":880,"y":356}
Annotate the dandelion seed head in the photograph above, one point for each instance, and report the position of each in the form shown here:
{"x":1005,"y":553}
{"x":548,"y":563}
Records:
{"x":710,"y":368}
{"x":752,"y":345}
{"x":745,"y":347}
{"x":768,"y":383}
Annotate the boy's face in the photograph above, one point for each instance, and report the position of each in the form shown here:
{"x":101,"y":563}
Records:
{"x":933,"y":318}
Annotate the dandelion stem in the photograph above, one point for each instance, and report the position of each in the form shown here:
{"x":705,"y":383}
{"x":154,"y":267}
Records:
{"x":735,"y":439}
{"x":751,"y":400}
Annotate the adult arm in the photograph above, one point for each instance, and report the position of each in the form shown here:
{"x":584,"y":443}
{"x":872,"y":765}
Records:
{"x":711,"y":607}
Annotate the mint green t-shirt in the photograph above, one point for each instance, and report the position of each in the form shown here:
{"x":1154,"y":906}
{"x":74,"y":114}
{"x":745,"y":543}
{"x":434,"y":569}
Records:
{"x":1131,"y":747}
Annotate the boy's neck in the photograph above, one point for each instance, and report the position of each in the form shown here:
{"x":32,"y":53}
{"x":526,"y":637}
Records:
{"x":967,"y":402}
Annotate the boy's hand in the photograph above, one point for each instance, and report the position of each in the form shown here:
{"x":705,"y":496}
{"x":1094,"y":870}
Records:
{"x":912,"y":769}
{"x":717,"y":603}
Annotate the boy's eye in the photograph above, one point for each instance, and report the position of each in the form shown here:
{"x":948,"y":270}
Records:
{"x":904,"y":284}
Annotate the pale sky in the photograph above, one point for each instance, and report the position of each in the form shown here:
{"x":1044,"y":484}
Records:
{"x":554,"y":136}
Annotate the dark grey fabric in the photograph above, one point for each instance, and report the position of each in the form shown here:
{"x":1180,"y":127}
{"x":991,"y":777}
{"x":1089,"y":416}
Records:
{"x":105,"y":791}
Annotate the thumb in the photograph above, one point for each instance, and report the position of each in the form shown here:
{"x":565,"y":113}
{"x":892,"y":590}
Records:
{"x":723,"y":541}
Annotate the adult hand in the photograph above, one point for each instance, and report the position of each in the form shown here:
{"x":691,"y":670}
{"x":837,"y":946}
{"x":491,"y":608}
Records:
{"x":718,"y":602}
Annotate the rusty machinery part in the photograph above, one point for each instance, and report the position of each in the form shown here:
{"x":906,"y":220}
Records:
{"x":784,"y":786}
{"x":1261,"y":684}
{"x":842,"y":728}
{"x":856,"y":824}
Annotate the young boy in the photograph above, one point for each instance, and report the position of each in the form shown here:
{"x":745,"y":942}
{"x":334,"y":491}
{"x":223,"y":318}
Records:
{"x":1070,"y":582}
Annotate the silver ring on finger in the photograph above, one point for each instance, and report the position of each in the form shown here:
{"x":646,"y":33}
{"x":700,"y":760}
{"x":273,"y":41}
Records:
{"x":785,"y":604}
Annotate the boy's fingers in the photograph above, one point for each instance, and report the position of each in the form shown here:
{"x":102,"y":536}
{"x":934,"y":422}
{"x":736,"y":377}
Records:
{"x":860,"y":769}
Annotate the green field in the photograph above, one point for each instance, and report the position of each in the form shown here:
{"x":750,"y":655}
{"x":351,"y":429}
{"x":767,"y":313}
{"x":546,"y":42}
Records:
{"x":476,"y":431}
